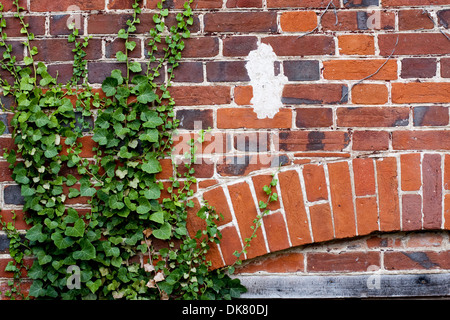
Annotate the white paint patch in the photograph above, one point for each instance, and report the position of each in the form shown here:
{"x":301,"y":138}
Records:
{"x":267,"y":88}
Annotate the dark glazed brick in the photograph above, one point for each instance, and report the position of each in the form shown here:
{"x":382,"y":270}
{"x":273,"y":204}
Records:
{"x":13,"y":195}
{"x":225,"y":71}
{"x":431,"y":116}
{"x":306,"y":70}
{"x":418,"y":68}
{"x":239,"y":46}
{"x":360,"y":3}
{"x":189,"y":117}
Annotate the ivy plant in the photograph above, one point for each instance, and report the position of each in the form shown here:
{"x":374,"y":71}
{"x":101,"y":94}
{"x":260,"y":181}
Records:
{"x":133,"y":242}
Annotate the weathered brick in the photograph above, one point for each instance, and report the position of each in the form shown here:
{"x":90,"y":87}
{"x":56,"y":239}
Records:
{"x":411,"y":212}
{"x":447,"y":212}
{"x":359,"y":69}
{"x":342,"y":199}
{"x":399,"y":3}
{"x":244,"y":3}
{"x":36,"y":25}
{"x":235,"y":46}
{"x":342,"y":262}
{"x":13,"y":195}
{"x":422,"y":260}
{"x":388,"y":194}
{"x":240,"y":22}
{"x":294,"y":207}
{"x":360,"y":3}
{"x":418,"y":68}
{"x":315,"y":183}
{"x":413,"y":44}
{"x":314,"y":117}
{"x":245,"y":212}
{"x":321,"y":222}
{"x":244,"y":165}
{"x":189,"y":117}
{"x":416,"y":92}
{"x":233,"y":118}
{"x":243,"y":95}
{"x":366,"y":93}
{"x":315,"y":93}
{"x":297,"y":21}
{"x":430,"y":116}
{"x":413,"y":20}
{"x":252,"y":141}
{"x":447,"y":172}
{"x":356,"y":44}
{"x":50,"y":50}
{"x":370,"y":140}
{"x":312,"y":140}
{"x":52,"y":6}
{"x":229,"y":244}
{"x":410,"y":172}
{"x":276,"y":232}
{"x":226,"y":71}
{"x":372,"y":117}
{"x":432,"y":191}
{"x":300,"y":3}
{"x":259,"y":182}
{"x":216,"y":198}
{"x":364,"y":176}
{"x":302,"y":70}
{"x":282,"y":263}
{"x":367,"y":215}
{"x":201,"y":95}
{"x":305,"y":46}
{"x":421,"y":140}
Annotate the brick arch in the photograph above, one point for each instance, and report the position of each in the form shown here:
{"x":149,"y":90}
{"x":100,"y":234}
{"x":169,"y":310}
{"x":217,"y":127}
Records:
{"x":331,"y":200}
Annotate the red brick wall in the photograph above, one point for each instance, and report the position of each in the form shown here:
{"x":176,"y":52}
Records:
{"x":365,"y":169}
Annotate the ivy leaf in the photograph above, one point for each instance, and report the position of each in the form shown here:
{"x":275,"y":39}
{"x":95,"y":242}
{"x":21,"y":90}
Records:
{"x":135,"y":67}
{"x":28,"y":60}
{"x":122,"y":34}
{"x":152,"y":166}
{"x":62,"y":242}
{"x":87,"y":251}
{"x":51,"y":152}
{"x":2,"y":127}
{"x":151,"y":118}
{"x":163,"y":233}
{"x":37,"y":289}
{"x":93,"y":286}
{"x":87,"y":192}
{"x":153,"y":192}
{"x":121,"y":57}
{"x":73,"y":193}
{"x":109,"y":250}
{"x":71,"y":180}
{"x":144,"y":206}
{"x":109,"y":86}
{"x":35,"y":234}
{"x":157,"y":217}
{"x":151,"y":135}
{"x":146,"y":94}
{"x":77,"y":230}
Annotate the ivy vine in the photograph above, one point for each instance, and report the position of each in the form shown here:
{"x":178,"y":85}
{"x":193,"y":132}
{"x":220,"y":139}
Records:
{"x":131,"y":244}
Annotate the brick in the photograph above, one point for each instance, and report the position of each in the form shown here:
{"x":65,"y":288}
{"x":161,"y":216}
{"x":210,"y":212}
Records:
{"x":201,"y":95}
{"x":388,"y":194}
{"x":372,"y":117}
{"x":418,"y":68}
{"x":413,"y":44}
{"x":415,"y":92}
{"x":240,"y":22}
{"x":244,"y":165}
{"x":189,"y":118}
{"x":233,"y":118}
{"x":301,"y":70}
{"x":314,"y":117}
{"x":204,"y":47}
{"x":243,"y":95}
{"x":36,"y":26}
{"x":276,"y":233}
{"x":312,"y":140}
{"x":189,"y":72}
{"x":226,"y":71}
{"x":360,"y":3}
{"x":342,"y":262}
{"x":244,"y":4}
{"x":445,"y":67}
{"x":297,"y":21}
{"x":252,"y":142}
{"x":364,"y":176}
{"x":179,"y":4}
{"x":52,"y":6}
{"x":356,"y":44}
{"x":259,"y":182}
{"x":359,"y":69}
{"x":121,"y":4}
{"x":216,"y":198}
{"x":283,"y":263}
{"x":193,"y":222}
{"x":376,"y":20}
{"x":229,"y":244}
{"x":410,"y":172}
{"x":58,"y":24}
{"x":413,"y":20}
{"x":294,"y":207}
{"x":245,"y":212}
{"x":447,"y":212}
{"x":315,"y":93}
{"x":347,"y":21}
{"x":447,"y":172}
{"x":432,"y":191}
{"x":19,"y":221}
{"x":98,"y":71}
{"x":411,"y":212}
{"x":417,"y":240}
{"x":444,"y":17}
{"x":111,"y":48}
{"x":88,"y":147}
{"x":365,"y":93}
{"x":315,"y":183}
{"x":300,"y":3}
{"x":12,"y":195}
{"x":50,"y":50}
{"x":5,"y":172}
{"x":421,"y":260}
{"x":409,"y":3}
{"x":342,"y":199}
{"x":430,"y":116}
{"x":305,"y":46}
{"x":321,"y":222}
{"x":238,"y":46}
{"x":366,"y":215}
{"x":421,"y":140}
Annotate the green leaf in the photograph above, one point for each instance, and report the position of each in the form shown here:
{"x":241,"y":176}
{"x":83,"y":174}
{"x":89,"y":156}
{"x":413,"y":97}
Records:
{"x":152,"y":166}
{"x":36,"y":289}
{"x":51,"y":152}
{"x":77,"y":230}
{"x":87,"y":251}
{"x":151,"y":118}
{"x":28,"y":60}
{"x":62,"y":242}
{"x":71,"y":180}
{"x":144,"y":206}
{"x":151,"y":135}
{"x":73,"y":193}
{"x":153,"y":192}
{"x":2,"y":127}
{"x":157,"y":217}
{"x":122,"y":34}
{"x":135,"y":67}
{"x":109,"y":86}
{"x":93,"y":286}
{"x":121,"y":57}
{"x":146,"y":94}
{"x":163,"y":233}
{"x":35,"y":234}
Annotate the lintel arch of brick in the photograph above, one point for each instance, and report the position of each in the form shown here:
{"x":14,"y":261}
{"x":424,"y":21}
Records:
{"x":329,"y":200}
